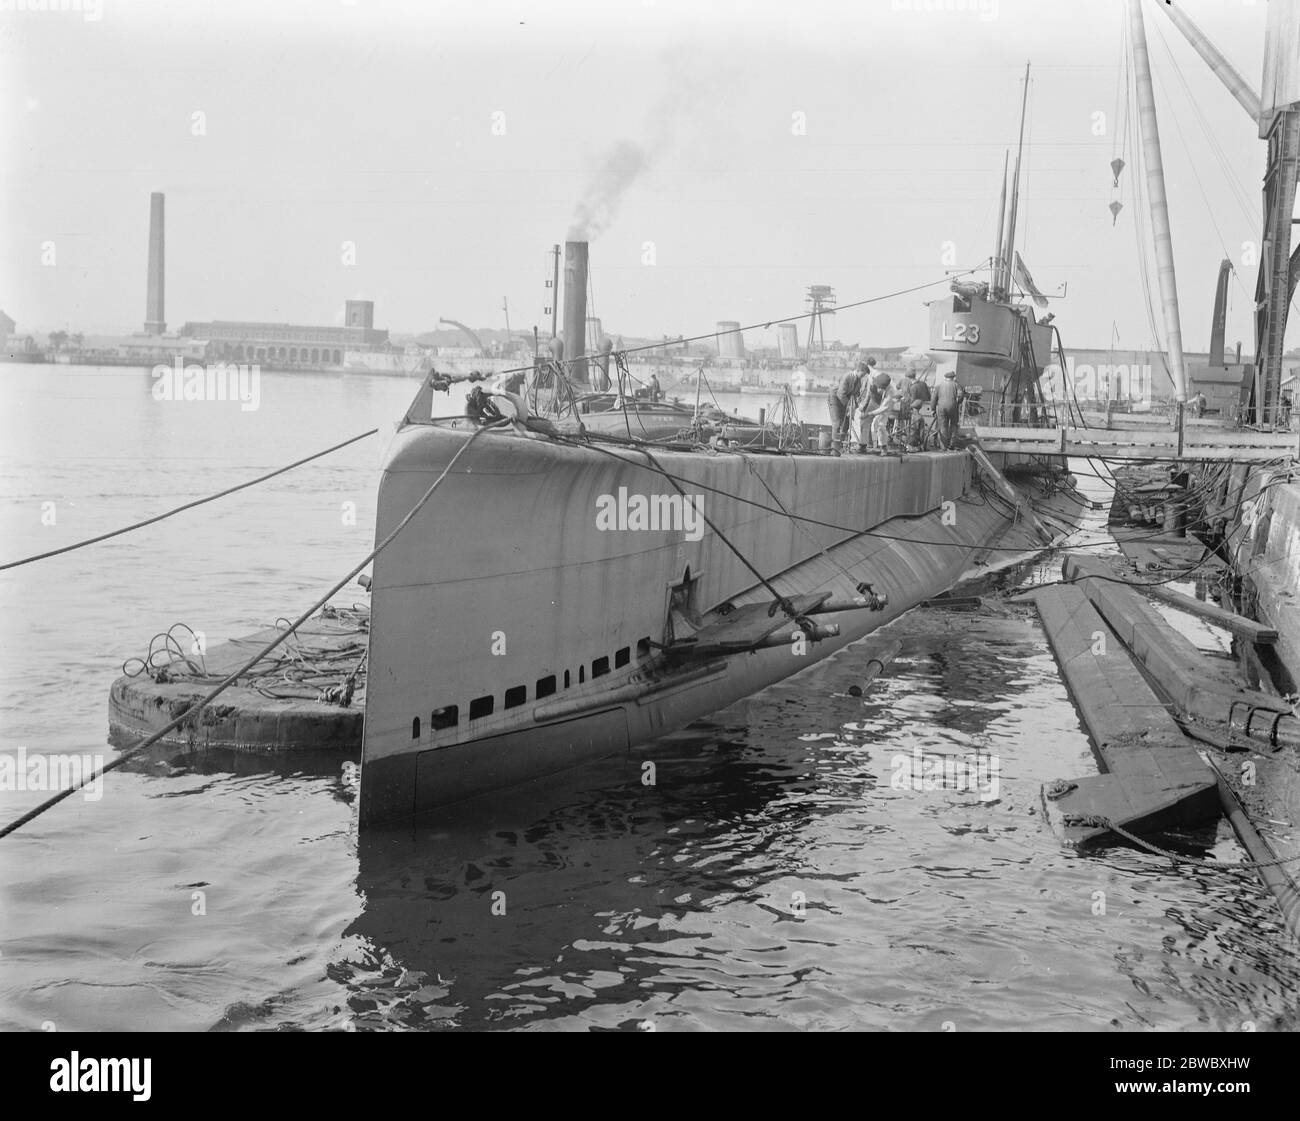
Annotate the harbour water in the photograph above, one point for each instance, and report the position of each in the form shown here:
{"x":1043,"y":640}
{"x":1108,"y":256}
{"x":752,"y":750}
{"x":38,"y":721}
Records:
{"x":775,"y":874}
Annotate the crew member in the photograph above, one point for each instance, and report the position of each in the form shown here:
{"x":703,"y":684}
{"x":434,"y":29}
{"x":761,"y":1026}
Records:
{"x":902,"y":419}
{"x":920,"y":399}
{"x":872,"y":392}
{"x":656,"y":390}
{"x":480,"y":409}
{"x":947,"y":399}
{"x":881,"y":415}
{"x":840,"y":401}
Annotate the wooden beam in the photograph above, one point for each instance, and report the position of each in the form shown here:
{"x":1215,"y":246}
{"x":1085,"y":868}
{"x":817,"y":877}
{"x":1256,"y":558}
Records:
{"x":1228,"y":620}
{"x":1154,"y":779}
{"x":1242,"y":439}
{"x":1250,"y":447}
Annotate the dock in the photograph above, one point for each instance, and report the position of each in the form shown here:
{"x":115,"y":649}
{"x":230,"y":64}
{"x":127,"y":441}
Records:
{"x":1203,"y":691}
{"x":1191,"y":443}
{"x":1152,"y":777}
{"x":1178,"y":737}
{"x":309,"y":696}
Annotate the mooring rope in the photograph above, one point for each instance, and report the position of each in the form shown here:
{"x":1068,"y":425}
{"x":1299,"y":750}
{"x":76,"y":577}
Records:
{"x":194,"y":709}
{"x":1100,"y":821}
{"x":187,"y":506}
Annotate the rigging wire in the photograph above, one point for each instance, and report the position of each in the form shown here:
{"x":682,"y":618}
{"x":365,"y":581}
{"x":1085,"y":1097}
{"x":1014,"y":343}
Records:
{"x":186,"y":506}
{"x":1183,"y":138}
{"x":594,"y":440}
{"x":947,"y":278}
{"x":1236,"y":189}
{"x":194,"y":709}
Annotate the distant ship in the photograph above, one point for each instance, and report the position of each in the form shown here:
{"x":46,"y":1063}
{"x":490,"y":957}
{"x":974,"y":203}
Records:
{"x":411,"y":362}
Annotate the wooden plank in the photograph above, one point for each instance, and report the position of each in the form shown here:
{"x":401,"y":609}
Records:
{"x":1191,"y":681}
{"x":1135,"y":451}
{"x":1243,"y":439}
{"x":1139,"y":805}
{"x":1031,"y":447}
{"x":1121,"y":451}
{"x":1228,"y":620}
{"x":1033,"y":435}
{"x":1154,"y":778}
{"x":1199,"y":443}
{"x":1123,"y":436}
{"x":1236,"y":455}
{"x":1117,"y":705}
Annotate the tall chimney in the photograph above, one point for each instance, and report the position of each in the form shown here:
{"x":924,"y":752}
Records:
{"x":153,"y":312}
{"x":575,"y":308}
{"x":1219,"y":322}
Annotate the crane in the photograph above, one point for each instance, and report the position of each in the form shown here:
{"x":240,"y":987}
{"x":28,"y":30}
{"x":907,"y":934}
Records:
{"x":473,"y":337}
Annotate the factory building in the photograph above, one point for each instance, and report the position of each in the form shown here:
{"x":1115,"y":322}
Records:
{"x":288,"y":345}
{"x":271,"y":345}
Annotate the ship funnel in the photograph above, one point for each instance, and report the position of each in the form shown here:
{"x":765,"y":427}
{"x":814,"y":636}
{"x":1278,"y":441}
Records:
{"x":575,"y":308}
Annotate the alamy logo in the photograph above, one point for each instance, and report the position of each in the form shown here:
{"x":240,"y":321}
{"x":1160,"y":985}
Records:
{"x":92,"y":11}
{"x":217,"y":381}
{"x":1119,"y":382}
{"x":677,"y":512}
{"x":975,"y":773}
{"x":987,"y":10}
{"x":113,"y":1075}
{"x":20,"y":771}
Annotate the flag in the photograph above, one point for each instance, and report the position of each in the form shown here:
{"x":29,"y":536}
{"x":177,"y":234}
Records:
{"x":1026,"y":282}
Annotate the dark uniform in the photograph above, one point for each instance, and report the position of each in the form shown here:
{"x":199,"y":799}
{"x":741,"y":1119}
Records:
{"x":920,"y":398}
{"x":839,"y":402}
{"x":947,"y":397}
{"x":480,"y":409}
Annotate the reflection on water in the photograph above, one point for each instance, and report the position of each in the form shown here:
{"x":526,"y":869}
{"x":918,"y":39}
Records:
{"x":773,"y":876}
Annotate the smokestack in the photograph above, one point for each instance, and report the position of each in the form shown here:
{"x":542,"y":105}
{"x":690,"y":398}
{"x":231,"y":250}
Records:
{"x":575,"y":308}
{"x":1219,"y":322}
{"x":153,"y":312}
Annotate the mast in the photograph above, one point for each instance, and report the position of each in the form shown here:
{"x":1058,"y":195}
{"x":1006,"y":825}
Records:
{"x":1015,"y":192}
{"x":1223,"y":69}
{"x":555,"y":292}
{"x":1159,"y":204}
{"x":1002,"y":213}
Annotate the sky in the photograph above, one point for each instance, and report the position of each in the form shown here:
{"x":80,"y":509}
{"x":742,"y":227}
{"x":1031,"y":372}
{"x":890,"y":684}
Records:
{"x":729,"y":153}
